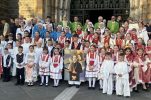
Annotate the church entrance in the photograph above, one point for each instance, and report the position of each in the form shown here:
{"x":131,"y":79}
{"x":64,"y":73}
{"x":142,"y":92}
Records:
{"x":93,"y":15}
{"x":91,"y":9}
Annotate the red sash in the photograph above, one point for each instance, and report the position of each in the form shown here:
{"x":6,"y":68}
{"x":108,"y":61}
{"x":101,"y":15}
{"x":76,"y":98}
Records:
{"x":56,"y":61}
{"x":61,"y":40}
{"x":119,"y":42}
{"x":92,"y":56}
{"x":95,"y":40}
{"x":44,"y":57}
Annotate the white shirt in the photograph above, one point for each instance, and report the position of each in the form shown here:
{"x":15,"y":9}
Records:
{"x":122,"y":68}
{"x":107,"y":68}
{"x":26,"y":47}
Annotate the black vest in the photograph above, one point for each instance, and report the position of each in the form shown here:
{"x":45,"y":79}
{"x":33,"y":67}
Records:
{"x":8,"y":59}
{"x":20,"y":58}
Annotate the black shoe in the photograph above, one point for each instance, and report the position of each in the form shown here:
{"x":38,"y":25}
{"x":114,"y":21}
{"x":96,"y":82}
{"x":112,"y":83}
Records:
{"x":22,"y":84}
{"x":100,"y":89}
{"x":53,"y":86}
{"x":145,"y":90}
{"x":17,"y":84}
{"x":136,"y":91}
{"x":93,"y":88}
{"x":70,"y":85}
{"x":89,"y":88}
{"x":127,"y":96}
{"x":77,"y":86}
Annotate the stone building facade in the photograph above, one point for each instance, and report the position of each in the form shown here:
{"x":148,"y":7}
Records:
{"x":138,"y":9}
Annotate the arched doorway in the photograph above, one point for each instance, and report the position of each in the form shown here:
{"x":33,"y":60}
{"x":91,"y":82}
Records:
{"x":91,"y":9}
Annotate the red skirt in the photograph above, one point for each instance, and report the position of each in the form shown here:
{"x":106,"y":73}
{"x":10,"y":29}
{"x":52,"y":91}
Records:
{"x":145,"y":77}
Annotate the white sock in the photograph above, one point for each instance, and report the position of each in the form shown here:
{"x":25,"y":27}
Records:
{"x":90,"y":80}
{"x":101,"y":84}
{"x":46,"y":79}
{"x":42,"y":79}
{"x":94,"y":80}
{"x":57,"y":82}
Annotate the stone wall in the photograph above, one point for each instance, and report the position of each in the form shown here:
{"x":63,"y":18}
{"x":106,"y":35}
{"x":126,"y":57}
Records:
{"x":139,"y":9}
{"x":27,"y":8}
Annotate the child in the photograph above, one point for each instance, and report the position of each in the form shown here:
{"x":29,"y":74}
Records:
{"x":11,"y":52}
{"x":7,"y":64}
{"x":107,"y":73}
{"x":56,"y":67}
{"x":30,"y":62}
{"x":50,"y":45}
{"x":92,"y":67}
{"x":122,"y":77}
{"x":44,"y":66}
{"x":20,"y":70}
{"x":101,"y":59}
{"x":62,"y":38}
{"x":75,"y":69}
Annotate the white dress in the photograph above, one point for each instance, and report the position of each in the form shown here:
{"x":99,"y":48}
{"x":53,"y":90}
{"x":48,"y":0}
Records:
{"x":94,"y":60}
{"x":31,"y":73}
{"x":56,"y":66}
{"x":44,"y":63}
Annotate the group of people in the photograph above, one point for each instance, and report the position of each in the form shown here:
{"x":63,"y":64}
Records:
{"x":117,"y":52}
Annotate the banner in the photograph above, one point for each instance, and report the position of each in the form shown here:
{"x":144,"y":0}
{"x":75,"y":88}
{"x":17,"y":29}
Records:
{"x":68,"y":54}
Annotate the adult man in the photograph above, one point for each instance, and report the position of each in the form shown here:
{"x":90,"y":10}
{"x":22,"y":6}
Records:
{"x":113,"y":25}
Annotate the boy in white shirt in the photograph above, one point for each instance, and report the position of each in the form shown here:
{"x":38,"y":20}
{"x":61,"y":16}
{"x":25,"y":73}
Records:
{"x":107,"y":69}
{"x":122,"y":77}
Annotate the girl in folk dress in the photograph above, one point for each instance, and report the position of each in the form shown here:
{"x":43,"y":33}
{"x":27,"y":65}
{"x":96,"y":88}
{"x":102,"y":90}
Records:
{"x":101,"y":59}
{"x":30,"y":62}
{"x":62,"y":38}
{"x":92,"y":67}
{"x":44,"y":64}
{"x":56,"y":67}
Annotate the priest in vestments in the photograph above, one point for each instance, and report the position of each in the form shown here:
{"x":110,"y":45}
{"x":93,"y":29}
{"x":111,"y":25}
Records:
{"x":75,"y":24}
{"x":113,"y":25}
